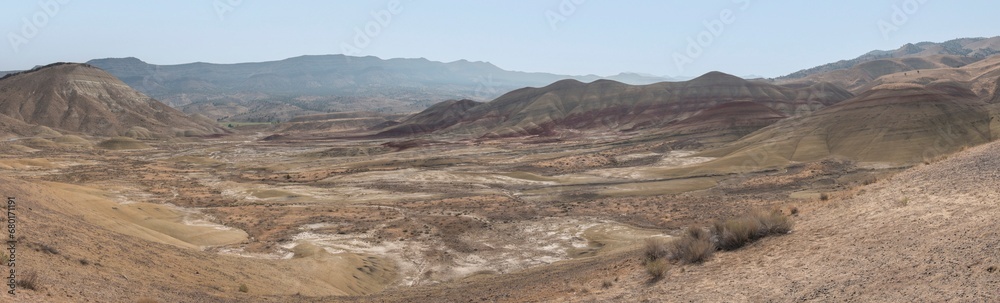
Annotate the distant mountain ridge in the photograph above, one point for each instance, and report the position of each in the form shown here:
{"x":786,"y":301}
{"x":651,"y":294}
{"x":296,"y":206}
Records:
{"x":976,"y":48}
{"x":317,"y":84}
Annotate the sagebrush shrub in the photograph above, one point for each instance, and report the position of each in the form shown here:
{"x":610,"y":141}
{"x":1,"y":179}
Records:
{"x":28,"y":281}
{"x":735,"y":233}
{"x":657,"y":268}
{"x":694,"y":247}
{"x":656,"y":248}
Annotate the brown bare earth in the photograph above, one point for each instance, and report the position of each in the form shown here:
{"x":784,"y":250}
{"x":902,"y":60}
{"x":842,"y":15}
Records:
{"x":267,"y":210}
{"x":283,"y":218}
{"x":929,"y":234}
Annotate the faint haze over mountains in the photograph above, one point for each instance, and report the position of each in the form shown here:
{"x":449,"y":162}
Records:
{"x":569,"y":37}
{"x":280,"y":90}
{"x":275,"y":91}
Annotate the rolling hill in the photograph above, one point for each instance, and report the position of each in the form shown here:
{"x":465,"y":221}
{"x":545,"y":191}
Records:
{"x":893,"y":123}
{"x":610,"y":105}
{"x":980,"y":77}
{"x":316,"y":84}
{"x":79,"y":98}
{"x":909,"y":61}
{"x":725,"y":122}
{"x":860,"y":77}
{"x":436,"y":117}
{"x":975,"y":48}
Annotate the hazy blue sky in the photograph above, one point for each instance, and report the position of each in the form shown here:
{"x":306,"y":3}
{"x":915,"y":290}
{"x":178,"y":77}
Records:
{"x":604,"y":37}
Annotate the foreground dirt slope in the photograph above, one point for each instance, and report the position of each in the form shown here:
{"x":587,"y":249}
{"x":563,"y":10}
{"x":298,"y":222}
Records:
{"x":929,"y":234}
{"x":80,"y":261}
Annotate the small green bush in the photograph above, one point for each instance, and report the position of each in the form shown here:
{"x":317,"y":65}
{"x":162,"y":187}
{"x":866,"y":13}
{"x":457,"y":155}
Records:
{"x":244,"y":288}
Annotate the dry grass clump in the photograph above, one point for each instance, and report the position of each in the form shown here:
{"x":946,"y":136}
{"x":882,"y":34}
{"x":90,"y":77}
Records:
{"x":28,"y":281}
{"x":48,"y":249}
{"x":735,"y":233}
{"x":607,"y":284}
{"x":656,"y":248}
{"x":695,"y":247}
{"x":903,"y":202}
{"x":657,"y":269}
{"x":655,"y":256}
{"x":698,"y":244}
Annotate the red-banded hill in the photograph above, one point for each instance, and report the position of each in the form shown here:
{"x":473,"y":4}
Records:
{"x":612,"y":106}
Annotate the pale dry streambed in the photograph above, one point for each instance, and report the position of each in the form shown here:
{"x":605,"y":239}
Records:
{"x":505,"y":248}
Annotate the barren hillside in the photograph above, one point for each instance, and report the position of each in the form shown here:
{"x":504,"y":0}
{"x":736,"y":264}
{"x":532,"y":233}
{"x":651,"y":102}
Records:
{"x":83,"y":99}
{"x":608,"y":105}
{"x":929,"y":234}
{"x":922,"y":55}
{"x":894,"y":123}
